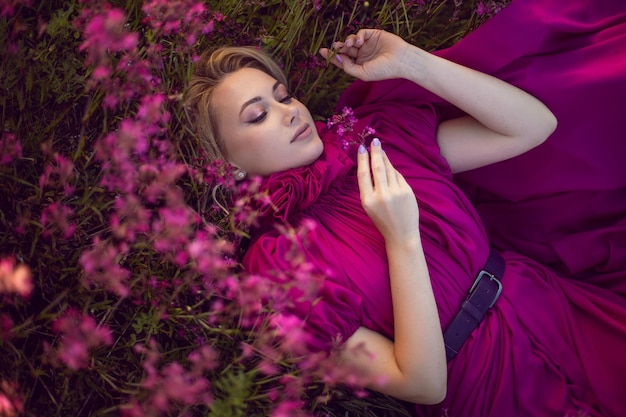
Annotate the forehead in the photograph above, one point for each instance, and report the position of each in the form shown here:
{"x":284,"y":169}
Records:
{"x":245,"y":83}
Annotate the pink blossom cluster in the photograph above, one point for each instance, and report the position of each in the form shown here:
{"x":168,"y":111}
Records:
{"x":137,"y":159}
{"x":7,"y":8}
{"x":6,"y":327}
{"x":58,"y":176}
{"x":11,"y":403}
{"x":112,"y":51}
{"x":101,"y":266}
{"x":10,"y":148}
{"x":171,"y":386}
{"x":79,"y":333}
{"x":489,"y":8}
{"x":343,"y":124}
{"x":185,"y":18}
{"x":149,"y":213}
{"x":267,"y":303}
{"x":14,"y":278}
{"x":56,"y":217}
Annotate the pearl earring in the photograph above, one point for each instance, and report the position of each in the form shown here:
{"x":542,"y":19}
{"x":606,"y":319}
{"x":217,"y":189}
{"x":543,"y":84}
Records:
{"x":239,"y":175}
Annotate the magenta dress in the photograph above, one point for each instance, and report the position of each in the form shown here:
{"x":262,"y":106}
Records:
{"x":563,"y":203}
{"x":550,"y":346}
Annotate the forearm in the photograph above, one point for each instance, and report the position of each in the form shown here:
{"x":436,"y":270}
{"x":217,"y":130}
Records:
{"x":499,"y":106}
{"x":418,"y":339}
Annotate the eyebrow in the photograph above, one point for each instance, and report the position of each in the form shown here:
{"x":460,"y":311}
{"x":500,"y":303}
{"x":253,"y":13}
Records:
{"x":257,"y":98}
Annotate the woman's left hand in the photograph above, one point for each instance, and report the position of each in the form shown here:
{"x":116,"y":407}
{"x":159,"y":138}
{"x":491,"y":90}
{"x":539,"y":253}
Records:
{"x":369,"y":55}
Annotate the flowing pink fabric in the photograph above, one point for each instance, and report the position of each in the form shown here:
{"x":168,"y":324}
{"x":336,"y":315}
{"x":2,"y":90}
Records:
{"x":563,"y":203}
{"x":551,"y":345}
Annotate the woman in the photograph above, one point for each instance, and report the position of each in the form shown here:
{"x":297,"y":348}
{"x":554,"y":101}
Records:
{"x":398,"y":274}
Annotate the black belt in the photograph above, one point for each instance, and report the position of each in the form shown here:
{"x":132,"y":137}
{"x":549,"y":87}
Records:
{"x":483,"y":294}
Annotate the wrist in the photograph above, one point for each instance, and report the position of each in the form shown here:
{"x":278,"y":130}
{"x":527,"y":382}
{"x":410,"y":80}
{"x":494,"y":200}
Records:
{"x":406,"y":244}
{"x":413,"y":64}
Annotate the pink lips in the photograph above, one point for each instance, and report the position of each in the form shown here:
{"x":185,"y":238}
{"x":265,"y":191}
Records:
{"x":302,"y":132}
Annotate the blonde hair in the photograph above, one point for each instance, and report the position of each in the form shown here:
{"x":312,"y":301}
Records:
{"x":210,"y":70}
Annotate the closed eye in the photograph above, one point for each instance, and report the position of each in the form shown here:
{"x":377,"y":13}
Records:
{"x":259,"y":118}
{"x":286,"y":99}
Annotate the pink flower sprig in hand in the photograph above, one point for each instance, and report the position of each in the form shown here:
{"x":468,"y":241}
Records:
{"x":344,"y":123}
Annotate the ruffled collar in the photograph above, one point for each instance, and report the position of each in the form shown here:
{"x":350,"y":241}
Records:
{"x":288,"y":193}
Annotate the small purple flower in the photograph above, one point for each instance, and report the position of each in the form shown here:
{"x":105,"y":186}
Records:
{"x":344,"y":124}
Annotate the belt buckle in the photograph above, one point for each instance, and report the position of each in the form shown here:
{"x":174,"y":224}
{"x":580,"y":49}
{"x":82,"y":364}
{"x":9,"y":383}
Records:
{"x":493,"y":278}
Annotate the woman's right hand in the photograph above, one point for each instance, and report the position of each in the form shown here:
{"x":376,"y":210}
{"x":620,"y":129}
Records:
{"x":386,"y":196}
{"x":369,"y":55}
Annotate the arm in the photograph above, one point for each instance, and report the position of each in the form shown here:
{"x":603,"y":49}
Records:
{"x":413,"y":367}
{"x":503,"y":121}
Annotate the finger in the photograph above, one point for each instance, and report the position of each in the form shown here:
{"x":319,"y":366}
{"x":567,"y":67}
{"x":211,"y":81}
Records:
{"x":364,"y":174}
{"x":335,"y":57}
{"x":350,"y":41}
{"x":364,"y":35}
{"x":392,"y":173}
{"x":379,"y":172}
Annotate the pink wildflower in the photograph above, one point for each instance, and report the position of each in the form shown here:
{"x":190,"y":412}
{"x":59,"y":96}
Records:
{"x":113,"y":152}
{"x":343,"y":124}
{"x":481,"y":9}
{"x":55,"y":217}
{"x":132,"y":138}
{"x":79,"y":334}
{"x":203,"y":359}
{"x":174,"y":227}
{"x":10,"y":148}
{"x":59,"y":173}
{"x":101,"y":266}
{"x":11,"y":404}
{"x":206,"y":252}
{"x":173,"y":384}
{"x":291,"y":333}
{"x":15,"y":279}
{"x":489,"y":8}
{"x":6,"y":328}
{"x":151,"y":110}
{"x":104,"y":33}
{"x":7,"y":9}
{"x":159,"y":180}
{"x":130,"y":218}
{"x":187,"y":18}
{"x":289,"y":409}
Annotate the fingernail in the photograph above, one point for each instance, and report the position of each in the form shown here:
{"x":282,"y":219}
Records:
{"x":376,"y":142}
{"x":339,"y":59}
{"x":361,"y":149}
{"x":358,"y":42}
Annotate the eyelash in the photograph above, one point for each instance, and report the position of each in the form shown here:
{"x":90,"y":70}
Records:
{"x":260,"y":118}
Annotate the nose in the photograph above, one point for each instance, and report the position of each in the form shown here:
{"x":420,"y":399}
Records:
{"x":292,"y":113}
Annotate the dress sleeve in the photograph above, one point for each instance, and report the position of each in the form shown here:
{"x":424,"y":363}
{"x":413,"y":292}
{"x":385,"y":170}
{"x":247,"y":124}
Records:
{"x":331,"y":312}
